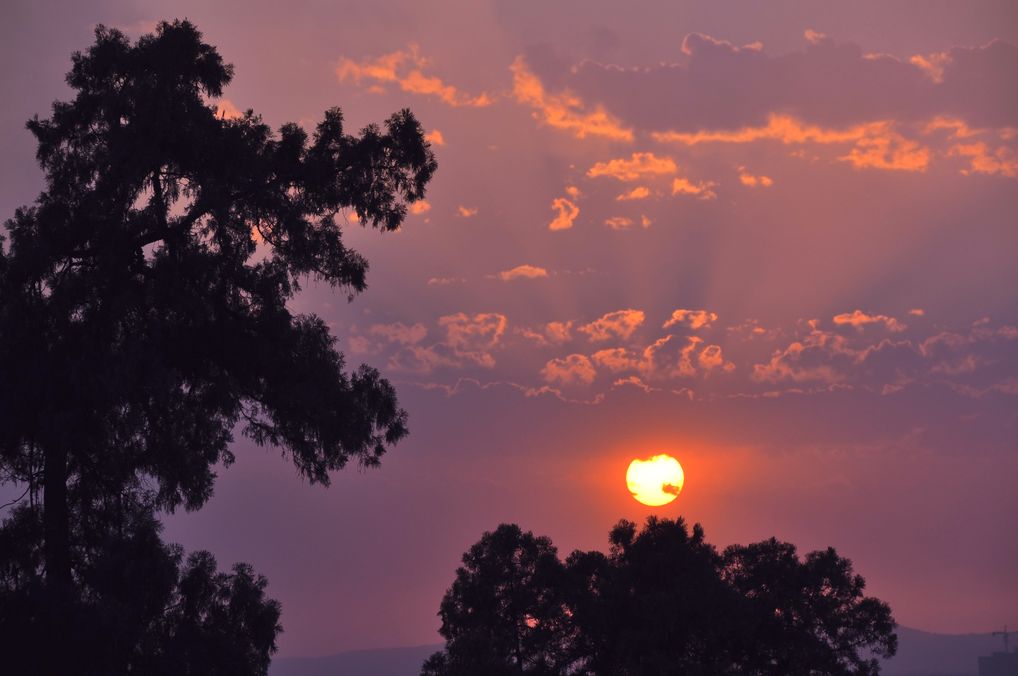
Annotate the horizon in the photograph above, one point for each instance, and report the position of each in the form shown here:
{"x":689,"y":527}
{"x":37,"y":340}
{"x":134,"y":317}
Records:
{"x":776,"y":245}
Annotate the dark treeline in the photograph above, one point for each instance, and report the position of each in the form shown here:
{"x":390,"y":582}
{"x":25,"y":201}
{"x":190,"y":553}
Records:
{"x":662,"y":601}
{"x":144,"y":322}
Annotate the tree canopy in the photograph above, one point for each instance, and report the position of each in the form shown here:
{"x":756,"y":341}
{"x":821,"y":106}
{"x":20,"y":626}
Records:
{"x":662,"y":601}
{"x":144,"y":316}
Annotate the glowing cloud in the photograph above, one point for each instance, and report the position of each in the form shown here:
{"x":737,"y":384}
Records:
{"x":564,"y":110}
{"x":567,"y":211}
{"x":420,"y":207}
{"x":859,"y":320}
{"x":574,"y":369}
{"x":693,"y":319}
{"x":226,"y":110}
{"x":405,"y":69}
{"x":466,"y":212}
{"x":701,"y":190}
{"x":638,"y":193}
{"x":875,"y":144}
{"x":618,"y":324}
{"x":522,"y":272}
{"x":435,"y":138}
{"x":637,"y":166}
{"x":619,"y":222}
{"x":752,"y":181}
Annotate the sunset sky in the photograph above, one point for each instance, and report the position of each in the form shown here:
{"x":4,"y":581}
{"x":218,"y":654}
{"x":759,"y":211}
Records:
{"x":775,"y":240}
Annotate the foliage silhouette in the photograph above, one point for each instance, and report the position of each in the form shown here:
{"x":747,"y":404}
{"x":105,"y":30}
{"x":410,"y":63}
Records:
{"x":662,"y":601}
{"x":144,"y":319}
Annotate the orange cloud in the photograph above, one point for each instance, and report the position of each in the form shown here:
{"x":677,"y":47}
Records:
{"x":466,"y":212}
{"x":640,"y":192}
{"x":564,"y":110}
{"x":701,"y":190}
{"x":567,"y":213}
{"x":982,"y":160}
{"x":227,"y":111}
{"x":860,"y":320}
{"x":419,"y":207}
{"x":618,"y":324}
{"x":522,"y":272}
{"x":693,"y":319}
{"x":637,"y":166}
{"x":616,"y":359}
{"x":932,"y":65}
{"x":752,"y":181}
{"x":553,"y":333}
{"x":574,"y":369}
{"x":435,"y":138}
{"x":482,"y":331}
{"x":404,"y":68}
{"x":619,"y":222}
{"x":875,"y":144}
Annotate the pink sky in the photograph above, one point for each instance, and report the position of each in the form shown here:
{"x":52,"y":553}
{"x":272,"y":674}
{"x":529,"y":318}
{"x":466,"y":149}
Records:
{"x":774,"y":240}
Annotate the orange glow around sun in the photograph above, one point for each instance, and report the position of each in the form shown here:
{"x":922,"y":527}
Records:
{"x":655,"y":481}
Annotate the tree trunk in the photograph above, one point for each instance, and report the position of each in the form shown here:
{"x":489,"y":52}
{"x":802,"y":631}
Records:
{"x":55,"y":519}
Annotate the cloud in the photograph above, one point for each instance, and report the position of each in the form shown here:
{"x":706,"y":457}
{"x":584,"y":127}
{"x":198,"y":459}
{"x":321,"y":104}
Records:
{"x":481,"y":331}
{"x":1001,"y":161}
{"x":405,"y":69}
{"x":752,"y":181}
{"x":873,"y":145}
{"x":566,"y":213}
{"x":693,"y":319}
{"x":564,"y":110}
{"x":713,"y":84}
{"x":466,"y":212}
{"x":619,"y":324}
{"x":419,"y":207}
{"x":226,"y":110}
{"x":635,"y":167}
{"x":445,"y":281}
{"x":522,"y":272}
{"x":435,"y":138}
{"x":469,"y":341}
{"x":860,"y":320}
{"x":401,"y":333}
{"x":619,"y":222}
{"x":552,"y":333}
{"x":701,"y":190}
{"x":575,"y":369}
{"x":638,"y":193}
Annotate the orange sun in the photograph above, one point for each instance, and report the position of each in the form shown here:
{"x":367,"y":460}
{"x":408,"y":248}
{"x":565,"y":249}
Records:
{"x":655,"y":481}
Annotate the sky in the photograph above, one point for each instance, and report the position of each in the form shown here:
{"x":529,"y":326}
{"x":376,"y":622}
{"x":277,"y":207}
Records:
{"x":775,"y":240}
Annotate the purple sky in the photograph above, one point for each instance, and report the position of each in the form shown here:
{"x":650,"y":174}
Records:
{"x":775,"y":240}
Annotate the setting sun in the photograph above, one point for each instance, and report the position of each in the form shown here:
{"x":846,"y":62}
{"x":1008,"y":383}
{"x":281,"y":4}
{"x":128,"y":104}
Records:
{"x":655,"y":481}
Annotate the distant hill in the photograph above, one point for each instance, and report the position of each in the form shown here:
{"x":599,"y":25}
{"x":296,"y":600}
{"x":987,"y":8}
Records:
{"x":383,"y":662}
{"x":920,"y":653}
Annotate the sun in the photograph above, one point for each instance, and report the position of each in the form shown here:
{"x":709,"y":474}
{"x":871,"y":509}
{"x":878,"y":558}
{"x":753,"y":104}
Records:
{"x":655,"y":481}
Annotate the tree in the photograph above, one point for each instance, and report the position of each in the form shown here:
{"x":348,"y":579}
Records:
{"x":143,"y":297}
{"x":654,"y":604}
{"x":663,"y":601}
{"x":505,"y":612}
{"x":807,"y":616}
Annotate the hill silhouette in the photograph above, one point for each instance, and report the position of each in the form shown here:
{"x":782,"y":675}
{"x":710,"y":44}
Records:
{"x":920,"y":653}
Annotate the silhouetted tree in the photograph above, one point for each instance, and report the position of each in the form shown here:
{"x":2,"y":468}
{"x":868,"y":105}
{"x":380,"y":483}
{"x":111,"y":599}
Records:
{"x":663,"y":601}
{"x":654,"y":605}
{"x":143,"y":301}
{"x":807,"y":616}
{"x":505,"y":613}
{"x":140,"y":606}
